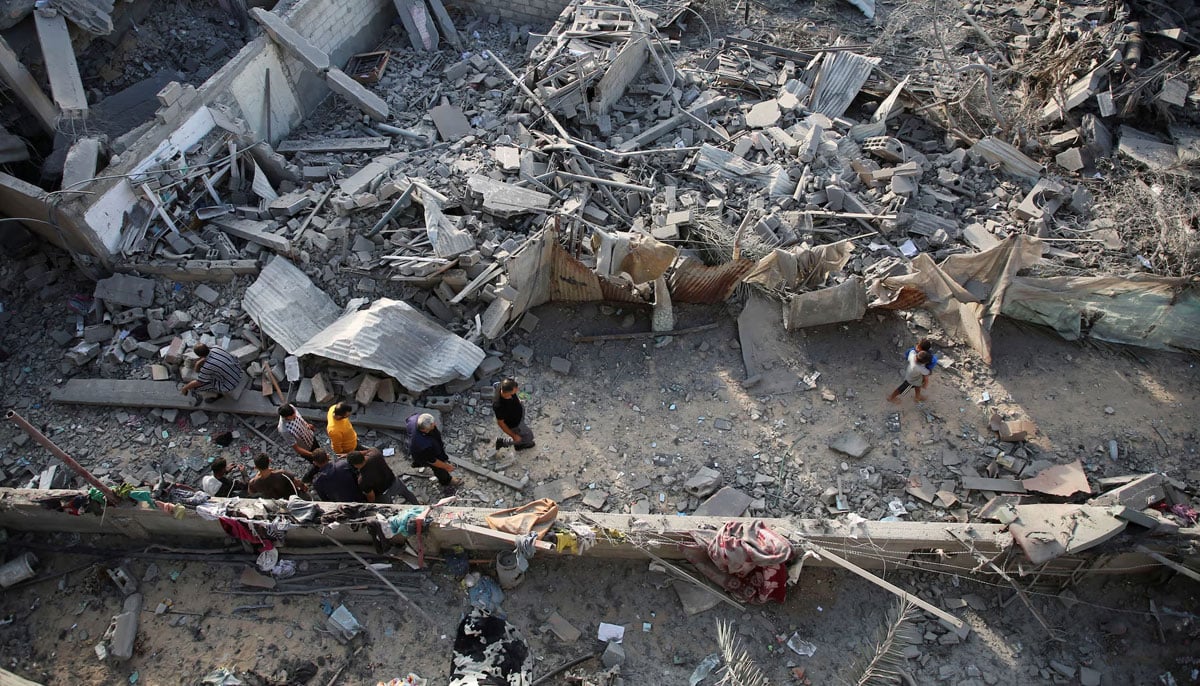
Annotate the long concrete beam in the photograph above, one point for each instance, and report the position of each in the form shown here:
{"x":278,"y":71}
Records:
{"x":878,"y":545}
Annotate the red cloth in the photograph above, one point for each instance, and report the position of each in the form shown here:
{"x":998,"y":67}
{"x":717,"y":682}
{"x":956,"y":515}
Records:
{"x":749,"y":561}
{"x":242,"y":532}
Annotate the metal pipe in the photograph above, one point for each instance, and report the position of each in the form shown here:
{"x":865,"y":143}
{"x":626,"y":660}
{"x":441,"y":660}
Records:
{"x":58,"y":452}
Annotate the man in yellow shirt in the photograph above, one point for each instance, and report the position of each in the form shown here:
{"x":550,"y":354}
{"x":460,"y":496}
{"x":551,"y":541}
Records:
{"x":342,"y":436}
{"x":341,"y":431}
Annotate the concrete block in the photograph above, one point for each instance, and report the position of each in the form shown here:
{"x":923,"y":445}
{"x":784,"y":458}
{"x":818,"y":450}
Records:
{"x":246,"y":354}
{"x":304,"y":394}
{"x":366,"y":390}
{"x":342,"y":84}
{"x":83,"y":353}
{"x":124,"y":629}
{"x":291,"y":40}
{"x":561,"y":365}
{"x":387,"y":391}
{"x":174,"y":351}
{"x":159,"y":372}
{"x":80,"y":166}
{"x":170,"y":94}
{"x":529,"y":322}
{"x":129,"y":344}
{"x":98,"y":333}
{"x":322,"y":391}
{"x":613,"y":655}
{"x":125,"y":291}
{"x":489,"y":366}
{"x":207,"y":294}
{"x":198,"y":418}
{"x":523,"y":354}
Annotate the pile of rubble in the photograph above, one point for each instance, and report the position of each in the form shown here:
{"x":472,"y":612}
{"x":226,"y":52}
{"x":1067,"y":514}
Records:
{"x":619,"y":166}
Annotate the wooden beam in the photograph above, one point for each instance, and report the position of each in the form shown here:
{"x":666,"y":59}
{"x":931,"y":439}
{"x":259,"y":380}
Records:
{"x":26,"y":88}
{"x":165,"y":394}
{"x":948,"y":620}
{"x":7,"y":678}
{"x":489,"y":474}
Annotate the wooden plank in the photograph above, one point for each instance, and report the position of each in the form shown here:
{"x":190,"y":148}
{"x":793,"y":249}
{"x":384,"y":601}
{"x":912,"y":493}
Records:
{"x":489,"y":474}
{"x":254,"y":232}
{"x":26,"y":88}
{"x":1189,"y":573}
{"x":979,"y":483}
{"x":371,"y":144}
{"x":61,"y":68}
{"x":948,"y":620}
{"x":166,"y":395}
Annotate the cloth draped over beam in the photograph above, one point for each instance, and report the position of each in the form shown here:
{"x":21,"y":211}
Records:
{"x":749,"y":560}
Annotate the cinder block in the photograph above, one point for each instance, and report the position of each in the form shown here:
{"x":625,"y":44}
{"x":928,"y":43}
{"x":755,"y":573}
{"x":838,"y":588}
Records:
{"x":523,"y":354}
{"x":322,"y":392}
{"x":561,"y":365}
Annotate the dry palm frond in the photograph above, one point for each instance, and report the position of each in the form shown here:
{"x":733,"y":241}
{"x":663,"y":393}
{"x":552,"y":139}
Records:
{"x":885,"y":665}
{"x":740,"y":669}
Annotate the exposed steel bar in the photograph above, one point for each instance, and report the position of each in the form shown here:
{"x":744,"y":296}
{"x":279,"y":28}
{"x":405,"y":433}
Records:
{"x":62,"y":455}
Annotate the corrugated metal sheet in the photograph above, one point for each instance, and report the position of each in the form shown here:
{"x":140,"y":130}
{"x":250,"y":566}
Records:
{"x":695,"y":282}
{"x":841,"y":77}
{"x":571,"y":280}
{"x":394,"y":338}
{"x":288,"y":307}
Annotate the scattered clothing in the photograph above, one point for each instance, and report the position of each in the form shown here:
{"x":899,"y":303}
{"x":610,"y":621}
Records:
{"x":341,"y":432}
{"x":537,"y":516}
{"x":489,"y":650}
{"x":336,"y":482}
{"x":243,"y":531}
{"x":221,"y":372}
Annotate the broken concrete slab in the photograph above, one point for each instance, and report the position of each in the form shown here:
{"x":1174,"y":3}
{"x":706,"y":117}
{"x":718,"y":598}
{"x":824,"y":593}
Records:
{"x":852,"y":444}
{"x":1046,"y":531}
{"x":564,"y":630}
{"x":81,"y":163}
{"x":727,"y":502}
{"x":450,"y":121}
{"x":26,"y":88}
{"x":693,"y":598}
{"x":1060,"y":480}
{"x":296,"y":45}
{"x":58,"y":55}
{"x":344,"y":85}
{"x":126,"y":291}
{"x":558,"y":490}
{"x":1137,"y":494}
{"x":506,"y":200}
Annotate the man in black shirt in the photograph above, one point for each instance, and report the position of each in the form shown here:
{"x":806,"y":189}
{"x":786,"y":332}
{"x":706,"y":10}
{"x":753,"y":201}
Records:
{"x":510,"y":417}
{"x":230,"y":486}
{"x":376,"y":480}
{"x":335,"y":481}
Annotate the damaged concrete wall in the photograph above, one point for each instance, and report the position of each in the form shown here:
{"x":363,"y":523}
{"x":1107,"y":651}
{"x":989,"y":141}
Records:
{"x":24,"y":200}
{"x":339,"y":27}
{"x":535,"y":11}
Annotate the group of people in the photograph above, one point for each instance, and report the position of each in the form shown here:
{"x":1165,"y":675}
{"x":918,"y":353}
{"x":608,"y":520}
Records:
{"x":348,"y":471}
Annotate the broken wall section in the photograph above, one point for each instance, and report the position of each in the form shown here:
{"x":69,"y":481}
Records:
{"x":536,"y":11}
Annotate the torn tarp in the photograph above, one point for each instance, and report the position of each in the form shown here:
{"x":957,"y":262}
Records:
{"x":800,"y":266}
{"x":842,"y":303}
{"x":1150,"y":311}
{"x":389,"y":336}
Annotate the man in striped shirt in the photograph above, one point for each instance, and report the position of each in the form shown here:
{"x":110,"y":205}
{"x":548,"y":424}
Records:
{"x":300,"y":432}
{"x":217,"y":373}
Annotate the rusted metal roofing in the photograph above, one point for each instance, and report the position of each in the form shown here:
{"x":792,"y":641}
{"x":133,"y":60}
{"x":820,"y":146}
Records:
{"x":842,"y":76}
{"x":572,"y":280}
{"x":392,"y":337}
{"x":288,"y":307}
{"x":695,"y":282}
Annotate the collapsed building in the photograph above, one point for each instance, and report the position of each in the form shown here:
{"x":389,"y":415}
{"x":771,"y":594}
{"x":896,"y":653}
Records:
{"x":356,"y":213}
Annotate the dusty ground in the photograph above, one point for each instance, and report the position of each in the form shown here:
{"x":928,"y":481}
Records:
{"x":1062,"y":386}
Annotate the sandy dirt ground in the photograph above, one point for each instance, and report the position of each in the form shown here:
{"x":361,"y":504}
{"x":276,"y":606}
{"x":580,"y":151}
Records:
{"x":633,"y":411}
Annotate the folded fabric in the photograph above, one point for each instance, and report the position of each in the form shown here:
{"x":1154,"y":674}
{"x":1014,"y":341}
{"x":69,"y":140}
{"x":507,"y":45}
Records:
{"x":537,"y":516}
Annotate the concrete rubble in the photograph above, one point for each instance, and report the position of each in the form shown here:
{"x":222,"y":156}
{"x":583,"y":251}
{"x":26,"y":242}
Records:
{"x":390,"y":249}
